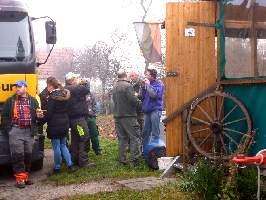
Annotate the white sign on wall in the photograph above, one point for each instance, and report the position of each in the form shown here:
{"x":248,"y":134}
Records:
{"x":190,"y":32}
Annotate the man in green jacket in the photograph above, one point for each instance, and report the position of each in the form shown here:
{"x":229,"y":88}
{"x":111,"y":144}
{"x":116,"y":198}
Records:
{"x":94,"y":133}
{"x":126,"y":124}
{"x":19,"y":121}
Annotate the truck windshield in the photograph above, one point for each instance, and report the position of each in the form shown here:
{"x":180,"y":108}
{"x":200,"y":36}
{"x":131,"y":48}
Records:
{"x":15,"y":37}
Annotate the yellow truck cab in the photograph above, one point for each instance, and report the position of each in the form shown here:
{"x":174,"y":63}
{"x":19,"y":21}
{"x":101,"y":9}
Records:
{"x":18,"y":62}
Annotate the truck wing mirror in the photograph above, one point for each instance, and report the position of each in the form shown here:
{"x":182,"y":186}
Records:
{"x":50,"y":28}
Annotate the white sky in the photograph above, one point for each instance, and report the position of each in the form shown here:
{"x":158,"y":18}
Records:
{"x":83,"y":22}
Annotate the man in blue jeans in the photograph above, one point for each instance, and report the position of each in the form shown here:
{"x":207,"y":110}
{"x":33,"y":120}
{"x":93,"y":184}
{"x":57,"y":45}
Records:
{"x":152,"y":92}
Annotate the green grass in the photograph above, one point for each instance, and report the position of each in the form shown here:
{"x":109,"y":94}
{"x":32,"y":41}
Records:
{"x":107,"y":167}
{"x":168,"y":192}
{"x":47,"y":143}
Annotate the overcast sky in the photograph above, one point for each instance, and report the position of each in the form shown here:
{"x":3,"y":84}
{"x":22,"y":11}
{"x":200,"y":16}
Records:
{"x":82,"y":22}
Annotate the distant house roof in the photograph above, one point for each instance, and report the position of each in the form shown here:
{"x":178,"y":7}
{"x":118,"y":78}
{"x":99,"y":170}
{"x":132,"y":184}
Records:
{"x":58,"y":56}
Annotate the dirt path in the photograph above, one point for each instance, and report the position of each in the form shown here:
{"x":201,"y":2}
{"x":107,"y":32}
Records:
{"x":45,"y":191}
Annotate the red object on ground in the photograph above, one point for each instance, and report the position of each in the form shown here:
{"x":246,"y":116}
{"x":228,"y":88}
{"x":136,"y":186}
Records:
{"x":258,"y":159}
{"x":22,"y":177}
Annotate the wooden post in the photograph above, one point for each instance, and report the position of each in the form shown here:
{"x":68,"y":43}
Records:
{"x":253,"y":40}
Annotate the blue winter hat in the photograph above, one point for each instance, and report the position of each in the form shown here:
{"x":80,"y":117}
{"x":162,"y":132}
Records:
{"x":21,"y":83}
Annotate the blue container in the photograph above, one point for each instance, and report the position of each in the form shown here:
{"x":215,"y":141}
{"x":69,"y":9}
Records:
{"x":154,"y":149}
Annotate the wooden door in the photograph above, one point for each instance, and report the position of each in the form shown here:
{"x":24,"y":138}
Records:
{"x":192,"y":57}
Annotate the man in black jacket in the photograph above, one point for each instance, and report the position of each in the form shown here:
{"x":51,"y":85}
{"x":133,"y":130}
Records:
{"x":126,"y":124}
{"x":78,"y":113}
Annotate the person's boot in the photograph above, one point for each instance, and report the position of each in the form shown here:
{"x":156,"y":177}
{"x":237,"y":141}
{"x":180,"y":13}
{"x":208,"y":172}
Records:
{"x":28,"y":181}
{"x":20,"y":179}
{"x":98,"y":153}
{"x":72,"y":169}
{"x":20,"y":184}
{"x":88,"y":165}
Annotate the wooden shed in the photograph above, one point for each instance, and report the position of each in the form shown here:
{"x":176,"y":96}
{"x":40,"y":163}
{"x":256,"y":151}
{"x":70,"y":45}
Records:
{"x":201,"y":37}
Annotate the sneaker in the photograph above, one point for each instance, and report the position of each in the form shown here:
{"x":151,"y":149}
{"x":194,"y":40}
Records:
{"x":98,"y":153}
{"x":29,"y":182}
{"x":20,"y":185}
{"x":72,"y":169}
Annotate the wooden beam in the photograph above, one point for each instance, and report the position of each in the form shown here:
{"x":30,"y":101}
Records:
{"x":235,"y":24}
{"x":244,"y":81}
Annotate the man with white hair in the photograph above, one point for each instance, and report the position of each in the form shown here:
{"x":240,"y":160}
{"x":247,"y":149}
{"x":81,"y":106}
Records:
{"x":78,"y":113}
{"x":137,"y":83}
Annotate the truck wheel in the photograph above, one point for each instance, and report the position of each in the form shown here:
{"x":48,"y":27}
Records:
{"x":37,"y":165}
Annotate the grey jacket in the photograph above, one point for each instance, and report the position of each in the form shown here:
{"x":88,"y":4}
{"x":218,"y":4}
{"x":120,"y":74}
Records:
{"x":125,"y":101}
{"x":91,"y":105}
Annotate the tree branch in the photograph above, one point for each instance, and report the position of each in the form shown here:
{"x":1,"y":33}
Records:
{"x":145,"y":9}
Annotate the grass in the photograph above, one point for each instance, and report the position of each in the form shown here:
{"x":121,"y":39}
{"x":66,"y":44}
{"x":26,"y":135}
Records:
{"x":168,"y":192}
{"x":107,"y":167}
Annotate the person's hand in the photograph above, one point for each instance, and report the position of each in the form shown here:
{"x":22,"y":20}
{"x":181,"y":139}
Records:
{"x":146,"y":81}
{"x":78,"y":81}
{"x":39,"y":113}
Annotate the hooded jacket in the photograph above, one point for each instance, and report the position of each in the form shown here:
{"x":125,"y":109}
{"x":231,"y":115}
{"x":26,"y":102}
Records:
{"x":153,"y":97}
{"x":78,"y":107}
{"x":57,"y":114}
{"x":44,"y":98}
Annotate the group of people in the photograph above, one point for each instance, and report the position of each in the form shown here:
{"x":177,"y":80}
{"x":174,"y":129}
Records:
{"x":138,"y":105}
{"x":62,"y":107}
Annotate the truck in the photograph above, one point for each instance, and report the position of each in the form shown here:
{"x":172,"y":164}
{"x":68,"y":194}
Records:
{"x":18,"y":62}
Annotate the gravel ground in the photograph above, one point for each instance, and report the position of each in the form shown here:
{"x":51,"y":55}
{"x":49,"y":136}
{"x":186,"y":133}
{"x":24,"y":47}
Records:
{"x":43,"y":190}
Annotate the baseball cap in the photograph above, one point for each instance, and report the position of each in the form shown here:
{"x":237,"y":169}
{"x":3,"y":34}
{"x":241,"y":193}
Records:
{"x":71,"y":75}
{"x":21,"y":83}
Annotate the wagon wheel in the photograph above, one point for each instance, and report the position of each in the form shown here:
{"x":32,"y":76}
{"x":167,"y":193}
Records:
{"x":215,"y":130}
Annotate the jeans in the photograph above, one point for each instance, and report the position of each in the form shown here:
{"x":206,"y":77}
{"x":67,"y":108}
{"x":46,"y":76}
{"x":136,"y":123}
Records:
{"x":151,"y":126}
{"x":60,"y":148}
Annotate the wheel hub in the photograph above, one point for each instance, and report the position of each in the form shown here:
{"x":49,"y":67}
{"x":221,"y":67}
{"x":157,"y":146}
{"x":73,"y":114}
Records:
{"x":216,"y":127}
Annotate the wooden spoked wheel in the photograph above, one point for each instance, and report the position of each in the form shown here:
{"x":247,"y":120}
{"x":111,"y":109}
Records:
{"x":217,"y":124}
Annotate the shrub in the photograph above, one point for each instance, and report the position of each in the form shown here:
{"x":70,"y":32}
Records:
{"x":247,"y":184}
{"x":204,"y":179}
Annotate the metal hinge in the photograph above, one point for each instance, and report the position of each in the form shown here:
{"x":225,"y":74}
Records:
{"x":201,"y":24}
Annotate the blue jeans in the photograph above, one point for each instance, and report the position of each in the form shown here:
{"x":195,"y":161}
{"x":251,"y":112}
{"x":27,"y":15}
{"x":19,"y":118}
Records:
{"x":60,"y":148}
{"x":151,"y":127}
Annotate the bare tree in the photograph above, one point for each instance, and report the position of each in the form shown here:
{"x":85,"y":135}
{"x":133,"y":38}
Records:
{"x":145,"y":4}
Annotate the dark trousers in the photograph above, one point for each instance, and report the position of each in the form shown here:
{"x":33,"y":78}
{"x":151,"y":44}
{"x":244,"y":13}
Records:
{"x":21,"y":145}
{"x":127,"y":129}
{"x":94,"y":134}
{"x":140,"y":118}
{"x":79,"y":141}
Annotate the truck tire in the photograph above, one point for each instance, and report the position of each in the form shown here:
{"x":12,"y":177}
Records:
{"x":37,"y":165}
